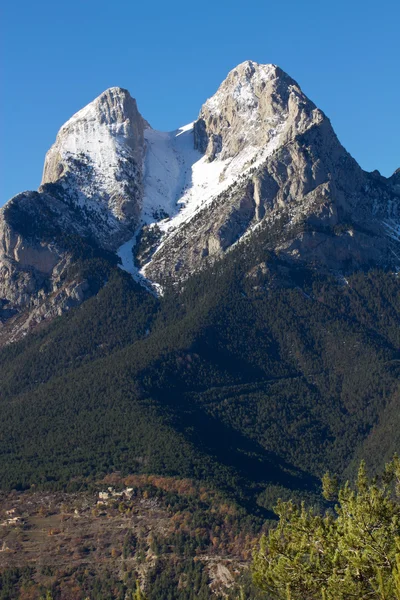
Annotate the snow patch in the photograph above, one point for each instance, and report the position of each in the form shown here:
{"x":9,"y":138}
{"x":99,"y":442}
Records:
{"x":94,"y":147}
{"x":180,"y":181}
{"x":125,"y":253}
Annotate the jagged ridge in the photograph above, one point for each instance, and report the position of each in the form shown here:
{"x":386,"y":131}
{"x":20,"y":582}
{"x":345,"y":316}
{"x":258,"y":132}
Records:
{"x":261,"y":160}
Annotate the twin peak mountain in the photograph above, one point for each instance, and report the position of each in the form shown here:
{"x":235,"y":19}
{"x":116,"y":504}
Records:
{"x":261,"y":165}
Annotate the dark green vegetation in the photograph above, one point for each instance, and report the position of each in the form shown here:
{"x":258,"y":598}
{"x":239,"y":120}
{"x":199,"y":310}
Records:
{"x":354,"y":553}
{"x":256,"y":380}
{"x":185,"y":582}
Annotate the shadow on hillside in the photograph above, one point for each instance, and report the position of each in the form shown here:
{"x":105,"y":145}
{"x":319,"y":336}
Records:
{"x":254,"y":466}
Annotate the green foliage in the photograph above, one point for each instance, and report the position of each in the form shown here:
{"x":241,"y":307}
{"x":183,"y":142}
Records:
{"x":182,"y":581}
{"x":48,"y":596}
{"x":255,"y":378}
{"x":353,"y":554}
{"x":254,"y":386}
{"x":330,"y":487}
{"x":138,"y":594}
{"x":14,"y":579}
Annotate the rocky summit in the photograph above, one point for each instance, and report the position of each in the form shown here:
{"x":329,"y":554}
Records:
{"x":261,"y":162}
{"x":97,"y":158}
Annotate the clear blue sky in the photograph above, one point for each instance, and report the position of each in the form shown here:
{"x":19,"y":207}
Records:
{"x":57,"y":56}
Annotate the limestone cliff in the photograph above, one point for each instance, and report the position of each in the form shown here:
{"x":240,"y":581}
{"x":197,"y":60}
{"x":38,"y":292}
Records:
{"x":282,"y":171}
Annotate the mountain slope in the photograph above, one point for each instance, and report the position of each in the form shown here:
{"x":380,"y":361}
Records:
{"x":256,"y":388}
{"x":87,"y":205}
{"x":278,"y":166}
{"x":97,"y":159}
{"x":213,"y":318}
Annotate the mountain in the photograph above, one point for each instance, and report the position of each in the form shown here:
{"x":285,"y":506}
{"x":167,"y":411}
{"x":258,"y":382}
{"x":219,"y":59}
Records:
{"x":261,"y":161}
{"x":213,"y":318}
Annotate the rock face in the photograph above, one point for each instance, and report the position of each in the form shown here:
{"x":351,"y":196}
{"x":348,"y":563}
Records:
{"x":257,"y":106}
{"x":97,"y":157}
{"x":36,"y":281}
{"x":283,"y":175}
{"x":395,"y":179}
{"x":261,"y":163}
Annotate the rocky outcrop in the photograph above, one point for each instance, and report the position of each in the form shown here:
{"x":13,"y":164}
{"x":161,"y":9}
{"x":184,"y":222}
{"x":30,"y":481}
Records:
{"x":395,"y":179}
{"x":36,"y":281}
{"x":97,"y":157}
{"x":299,"y":188}
{"x":256,"y":106}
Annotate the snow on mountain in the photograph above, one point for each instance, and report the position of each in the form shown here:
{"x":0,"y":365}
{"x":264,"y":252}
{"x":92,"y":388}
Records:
{"x":179,"y":181}
{"x":261,"y":159}
{"x":251,"y":107}
{"x":109,"y":162}
{"x":97,"y":156}
{"x":268,"y":155}
{"x":182,"y":177}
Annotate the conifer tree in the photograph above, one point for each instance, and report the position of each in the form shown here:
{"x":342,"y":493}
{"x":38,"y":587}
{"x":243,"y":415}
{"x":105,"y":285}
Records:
{"x":138,"y":594}
{"x":352,"y":552}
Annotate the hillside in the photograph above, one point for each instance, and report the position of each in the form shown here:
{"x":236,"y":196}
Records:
{"x":212,"y":383}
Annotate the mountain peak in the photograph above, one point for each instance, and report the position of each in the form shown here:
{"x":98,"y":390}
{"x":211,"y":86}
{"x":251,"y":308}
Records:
{"x":114,"y":112}
{"x":249,"y":67}
{"x":98,"y":153}
{"x":114,"y":105}
{"x":258,"y":77}
{"x":255,"y":106}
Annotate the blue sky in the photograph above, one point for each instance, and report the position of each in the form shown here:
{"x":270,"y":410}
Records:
{"x":57,"y":56}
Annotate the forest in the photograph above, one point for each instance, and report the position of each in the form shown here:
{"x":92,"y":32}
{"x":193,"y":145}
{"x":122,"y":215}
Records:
{"x":253,"y":380}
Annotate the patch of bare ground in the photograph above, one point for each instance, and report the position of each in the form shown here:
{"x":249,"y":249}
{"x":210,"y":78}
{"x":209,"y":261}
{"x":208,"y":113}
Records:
{"x":124,"y":527}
